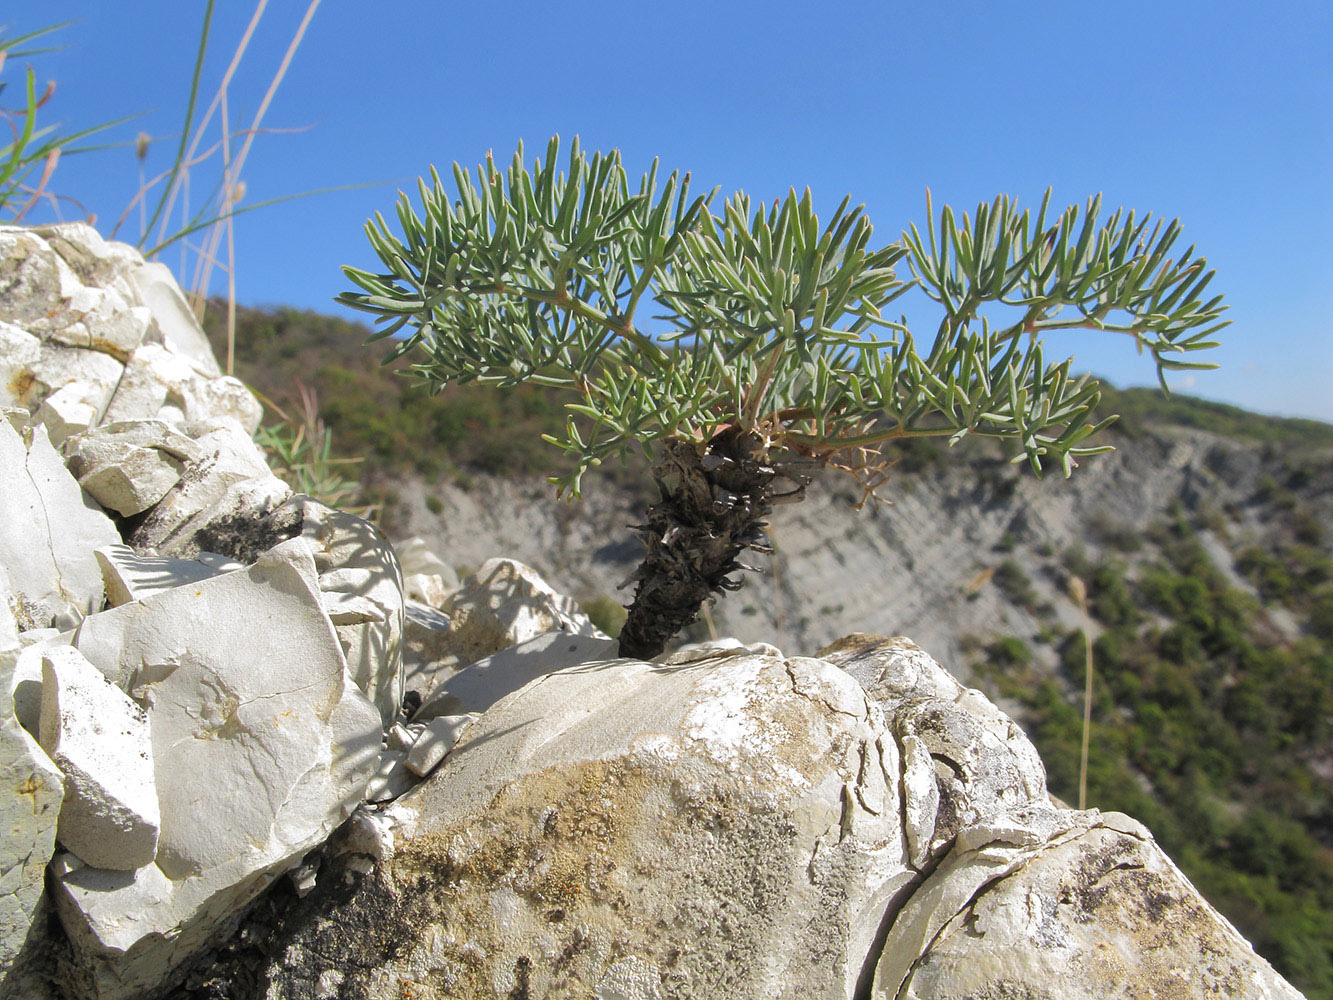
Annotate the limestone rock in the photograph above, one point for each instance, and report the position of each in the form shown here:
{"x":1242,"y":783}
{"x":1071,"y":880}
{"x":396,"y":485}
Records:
{"x":426,"y":646}
{"x":93,"y":260}
{"x":31,"y":371}
{"x":247,"y":698}
{"x":479,"y":686}
{"x":392,"y":777}
{"x":1097,"y":909}
{"x":48,"y":531}
{"x":426,"y":577}
{"x":501,"y":605}
{"x":505,"y":603}
{"x":30,"y":793}
{"x":100,"y":740}
{"x":222,"y":498}
{"x":361,"y":587}
{"x":70,"y":410}
{"x":174,"y":319}
{"x":45,"y":297}
{"x":130,"y":577}
{"x":718,"y":829}
{"x":129,"y":465}
{"x":436,"y":740}
{"x":984,"y":765}
{"x":24,"y":684}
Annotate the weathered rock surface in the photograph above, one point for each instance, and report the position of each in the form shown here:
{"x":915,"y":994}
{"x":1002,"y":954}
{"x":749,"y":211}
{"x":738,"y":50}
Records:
{"x":131,"y":577}
{"x":729,"y":822}
{"x":721,"y":828}
{"x":249,"y":701}
{"x":426,"y":577}
{"x":480,"y":685}
{"x":100,"y":740}
{"x":503,"y":604}
{"x":219,"y":498}
{"x":1095,"y":910}
{"x":129,"y":465}
{"x":361,"y":587}
{"x":31,"y":789}
{"x":50,"y":530}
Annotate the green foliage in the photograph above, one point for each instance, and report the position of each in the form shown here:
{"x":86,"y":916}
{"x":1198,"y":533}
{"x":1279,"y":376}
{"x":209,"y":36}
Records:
{"x":775,"y":322}
{"x":300,"y":452}
{"x":1143,"y":410}
{"x":606,"y":613}
{"x":1205,"y":729}
{"x":1015,"y":584}
{"x":31,"y":149}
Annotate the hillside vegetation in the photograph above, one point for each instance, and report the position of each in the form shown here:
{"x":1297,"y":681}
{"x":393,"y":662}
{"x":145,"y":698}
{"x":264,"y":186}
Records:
{"x":1204,"y":542}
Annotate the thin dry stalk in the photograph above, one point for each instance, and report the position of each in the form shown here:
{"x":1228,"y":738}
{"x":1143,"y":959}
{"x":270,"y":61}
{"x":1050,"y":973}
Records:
{"x":1079,"y":591}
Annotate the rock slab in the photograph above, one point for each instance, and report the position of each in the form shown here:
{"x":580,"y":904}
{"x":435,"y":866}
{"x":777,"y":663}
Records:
{"x":100,"y":740}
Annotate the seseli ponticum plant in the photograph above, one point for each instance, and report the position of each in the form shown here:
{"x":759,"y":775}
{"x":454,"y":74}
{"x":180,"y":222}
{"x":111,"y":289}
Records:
{"x":744,"y":345}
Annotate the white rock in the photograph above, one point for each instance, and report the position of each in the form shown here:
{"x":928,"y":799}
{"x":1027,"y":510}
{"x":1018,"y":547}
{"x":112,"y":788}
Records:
{"x":361,"y":587}
{"x":401,"y":737}
{"x":131,"y":577}
{"x":633,"y":828}
{"x":46,"y":297}
{"x":154,"y":386}
{"x":921,"y":798}
{"x":427,"y":650}
{"x":69,"y":410}
{"x":173,"y":317}
{"x":48,"y":531}
{"x":129,"y":465}
{"x":392,"y":777}
{"x":249,"y":700}
{"x":31,"y":370}
{"x":415,"y":556}
{"x":229,"y":488}
{"x":222,"y":398}
{"x":477,"y":687}
{"x":505,"y":603}
{"x":24,"y":685}
{"x":19,"y":354}
{"x":100,"y":740}
{"x":9,"y":635}
{"x":93,"y":260}
{"x":437,"y":738}
{"x":427,"y":588}
{"x":1095,"y":907}
{"x":30,"y":794}
{"x":426,"y":577}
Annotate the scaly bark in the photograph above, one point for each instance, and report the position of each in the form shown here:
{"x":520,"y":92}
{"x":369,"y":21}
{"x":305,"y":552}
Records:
{"x":713,"y":506}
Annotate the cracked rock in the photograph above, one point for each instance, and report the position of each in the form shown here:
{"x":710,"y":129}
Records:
{"x":129,"y":465}
{"x":619,"y":828}
{"x":1100,"y":911}
{"x":48,"y":531}
{"x":247,"y":695}
{"x":31,"y":789}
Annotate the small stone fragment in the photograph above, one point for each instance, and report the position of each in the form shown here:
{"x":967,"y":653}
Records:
{"x":392,"y":777}
{"x":101,"y":742}
{"x":437,"y":738}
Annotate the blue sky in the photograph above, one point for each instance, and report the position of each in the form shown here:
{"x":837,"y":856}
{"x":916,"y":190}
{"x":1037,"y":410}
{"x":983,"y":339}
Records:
{"x":1218,"y":113}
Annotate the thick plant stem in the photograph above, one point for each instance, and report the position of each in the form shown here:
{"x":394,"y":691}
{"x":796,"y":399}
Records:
{"x":714,"y":501}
